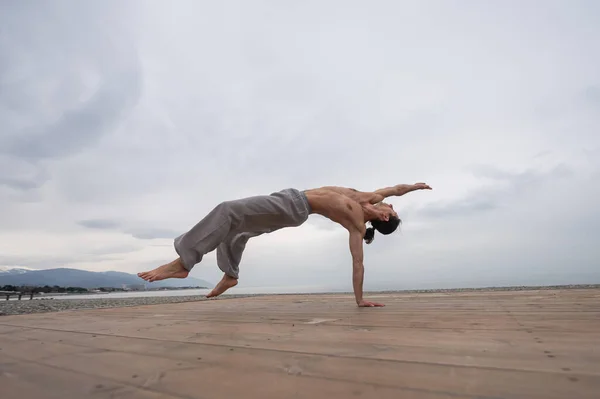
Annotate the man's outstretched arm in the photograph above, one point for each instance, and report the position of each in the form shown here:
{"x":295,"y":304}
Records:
{"x":358,"y":270}
{"x":397,"y":191}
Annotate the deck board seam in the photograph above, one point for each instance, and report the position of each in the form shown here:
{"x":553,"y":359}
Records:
{"x":142,"y":388}
{"x":309,"y":353}
{"x":538,"y":329}
{"x":372,"y":384}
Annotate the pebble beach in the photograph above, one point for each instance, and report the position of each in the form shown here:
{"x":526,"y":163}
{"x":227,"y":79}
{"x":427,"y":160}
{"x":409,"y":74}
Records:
{"x":58,"y":305}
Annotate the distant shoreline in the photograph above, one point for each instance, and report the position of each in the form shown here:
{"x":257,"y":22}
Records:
{"x":501,"y":288}
{"x":444,"y":290}
{"x":97,"y":292}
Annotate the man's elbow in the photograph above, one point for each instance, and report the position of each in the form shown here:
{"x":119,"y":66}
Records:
{"x":376,"y":198}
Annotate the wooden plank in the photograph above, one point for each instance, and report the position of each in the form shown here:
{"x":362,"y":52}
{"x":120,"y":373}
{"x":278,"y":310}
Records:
{"x":460,"y":322}
{"x":123,"y":356}
{"x":483,"y":348}
{"x":25,"y":348}
{"x":486,"y":345}
{"x":496,"y":316}
{"x":209,"y":380}
{"x":576,"y":351}
{"x":9,"y":329}
{"x":223,"y":374}
{"x":29,"y":380}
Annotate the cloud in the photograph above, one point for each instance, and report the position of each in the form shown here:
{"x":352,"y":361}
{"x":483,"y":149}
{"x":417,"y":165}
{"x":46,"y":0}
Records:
{"x":592,"y":94}
{"x":506,"y":186}
{"x":58,"y":97}
{"x":82,"y":126}
{"x":19,"y":175}
{"x":142,"y":233}
{"x":527,"y":177}
{"x":460,"y":208}
{"x":99,"y":224}
{"x":150,"y":233}
{"x":123,"y":123}
{"x":50,"y":262}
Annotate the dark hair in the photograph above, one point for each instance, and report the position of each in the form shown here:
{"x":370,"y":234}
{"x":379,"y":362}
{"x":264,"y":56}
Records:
{"x":382,"y":226}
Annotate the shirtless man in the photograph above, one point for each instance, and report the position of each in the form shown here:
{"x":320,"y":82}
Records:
{"x":228,"y":227}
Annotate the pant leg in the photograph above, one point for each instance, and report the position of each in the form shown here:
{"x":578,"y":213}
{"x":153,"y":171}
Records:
{"x":241,"y":220}
{"x":205,"y":236}
{"x":229,"y":252}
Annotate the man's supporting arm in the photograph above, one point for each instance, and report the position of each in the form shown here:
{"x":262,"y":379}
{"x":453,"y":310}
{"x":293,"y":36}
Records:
{"x":358,"y":269}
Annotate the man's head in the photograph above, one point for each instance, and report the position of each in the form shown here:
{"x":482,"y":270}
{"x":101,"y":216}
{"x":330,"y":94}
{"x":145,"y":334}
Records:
{"x":385,"y":212}
{"x":386,"y":222}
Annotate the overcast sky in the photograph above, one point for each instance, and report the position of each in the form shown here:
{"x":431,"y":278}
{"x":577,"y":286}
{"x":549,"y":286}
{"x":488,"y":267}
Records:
{"x":123,"y":123}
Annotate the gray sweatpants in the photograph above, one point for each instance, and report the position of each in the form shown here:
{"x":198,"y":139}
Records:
{"x":229,"y":226}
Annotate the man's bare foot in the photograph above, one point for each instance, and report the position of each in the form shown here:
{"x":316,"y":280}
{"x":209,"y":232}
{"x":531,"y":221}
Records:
{"x":173,"y":269}
{"x":222,"y":286}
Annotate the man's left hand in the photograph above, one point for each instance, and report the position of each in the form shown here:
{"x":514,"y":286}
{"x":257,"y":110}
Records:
{"x":421,"y":186}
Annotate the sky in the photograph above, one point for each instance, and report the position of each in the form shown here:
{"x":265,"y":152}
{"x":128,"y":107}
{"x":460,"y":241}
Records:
{"x":123,"y":123}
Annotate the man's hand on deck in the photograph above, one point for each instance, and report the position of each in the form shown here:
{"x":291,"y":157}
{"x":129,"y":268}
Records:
{"x":367,"y":304}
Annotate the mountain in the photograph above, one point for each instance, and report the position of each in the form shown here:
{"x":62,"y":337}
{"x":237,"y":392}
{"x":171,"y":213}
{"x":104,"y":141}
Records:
{"x":64,"y":277}
{"x":6,"y":270}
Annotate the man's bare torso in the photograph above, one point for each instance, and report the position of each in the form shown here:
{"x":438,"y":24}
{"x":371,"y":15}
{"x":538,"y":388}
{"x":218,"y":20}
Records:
{"x":340,"y":204}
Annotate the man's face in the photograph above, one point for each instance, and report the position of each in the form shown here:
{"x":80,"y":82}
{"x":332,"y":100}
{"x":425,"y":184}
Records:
{"x":387,"y":211}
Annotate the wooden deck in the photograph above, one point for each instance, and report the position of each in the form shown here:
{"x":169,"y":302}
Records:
{"x":528,"y":344}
